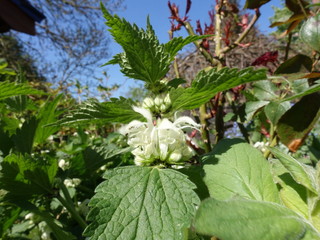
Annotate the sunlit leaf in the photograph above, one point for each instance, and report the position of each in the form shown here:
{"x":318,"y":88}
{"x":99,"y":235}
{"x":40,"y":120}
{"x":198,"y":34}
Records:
{"x":142,"y":203}
{"x":234,"y":168}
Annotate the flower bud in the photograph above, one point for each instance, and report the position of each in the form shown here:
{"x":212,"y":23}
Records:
{"x":158,"y":101}
{"x":148,"y":103}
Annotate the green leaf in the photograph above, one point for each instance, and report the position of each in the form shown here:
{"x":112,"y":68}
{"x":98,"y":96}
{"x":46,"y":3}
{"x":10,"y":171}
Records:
{"x":208,"y":83}
{"x":24,"y":177}
{"x":46,"y":115}
{"x":11,"y":89}
{"x":24,"y":137}
{"x":252,"y":107}
{"x":252,"y":4}
{"x":294,"y":126}
{"x":142,"y":203}
{"x":195,"y":174}
{"x":291,"y":199}
{"x":296,"y":64}
{"x":57,"y":231}
{"x":144,"y":58}
{"x":176,"y":82}
{"x":176,"y":44}
{"x":250,"y":220}
{"x":234,"y":168}
{"x":94,"y":112}
{"x":265,"y":90}
{"x":301,"y":173}
{"x":274,"y":111}
{"x":310,"y":32}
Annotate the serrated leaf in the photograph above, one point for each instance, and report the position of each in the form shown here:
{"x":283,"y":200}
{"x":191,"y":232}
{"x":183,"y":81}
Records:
{"x":144,"y":57}
{"x":94,"y":112}
{"x":234,"y":168}
{"x":47,"y":114}
{"x":250,"y":220}
{"x":176,"y":44}
{"x":142,"y":203}
{"x":208,"y":83}
{"x":294,"y":126}
{"x":11,"y":89}
{"x":24,"y":137}
{"x":301,"y":173}
{"x":24,"y":177}
{"x":274,"y":111}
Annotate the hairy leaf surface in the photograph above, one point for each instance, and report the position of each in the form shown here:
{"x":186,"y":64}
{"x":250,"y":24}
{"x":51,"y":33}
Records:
{"x":142,"y":203}
{"x":250,"y":220}
{"x":234,"y":168}
{"x":301,"y":173}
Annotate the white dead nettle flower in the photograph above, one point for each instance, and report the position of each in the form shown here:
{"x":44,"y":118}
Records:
{"x":262,"y":146}
{"x":63,"y":164}
{"x":160,"y":141}
{"x":72,"y":182}
{"x":45,"y":229}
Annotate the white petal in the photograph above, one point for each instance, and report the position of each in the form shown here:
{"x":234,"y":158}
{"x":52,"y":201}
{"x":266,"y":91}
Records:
{"x":144,"y":112}
{"x":183,"y":122}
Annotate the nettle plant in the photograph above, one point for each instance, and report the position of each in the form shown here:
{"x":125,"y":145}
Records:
{"x":167,"y":173}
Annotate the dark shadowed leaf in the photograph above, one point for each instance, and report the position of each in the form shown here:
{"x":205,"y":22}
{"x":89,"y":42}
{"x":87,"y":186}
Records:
{"x":296,"y":64}
{"x":297,"y":122}
{"x":252,"y":4}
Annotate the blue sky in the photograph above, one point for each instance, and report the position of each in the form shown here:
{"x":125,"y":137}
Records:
{"x":137,"y":11}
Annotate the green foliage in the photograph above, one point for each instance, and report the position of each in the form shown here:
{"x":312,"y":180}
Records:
{"x":208,"y":83}
{"x":236,"y":169}
{"x":23,"y":177}
{"x":301,"y":173}
{"x":138,"y":200}
{"x":94,"y":112}
{"x":144,"y":58}
{"x":247,"y":219}
{"x":309,"y":32}
{"x":11,"y":89}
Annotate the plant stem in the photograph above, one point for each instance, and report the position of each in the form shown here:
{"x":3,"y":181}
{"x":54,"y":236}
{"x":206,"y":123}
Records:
{"x":288,"y":46}
{"x":243,"y":34}
{"x":273,"y":140}
{"x":213,"y":61}
{"x":68,"y":204}
{"x":204,"y":128}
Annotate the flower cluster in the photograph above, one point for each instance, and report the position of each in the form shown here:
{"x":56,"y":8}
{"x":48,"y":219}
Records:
{"x":160,"y":140}
{"x":160,"y":104}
